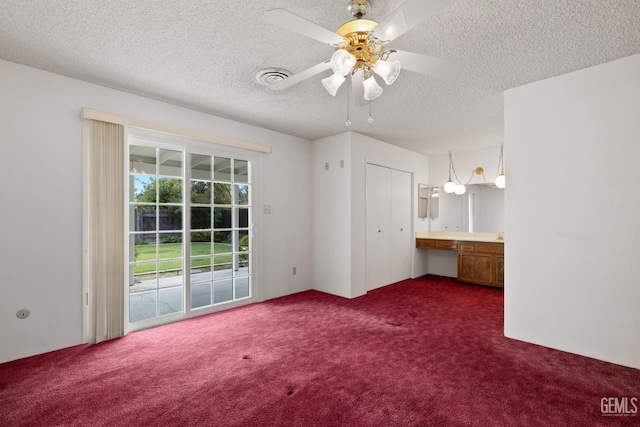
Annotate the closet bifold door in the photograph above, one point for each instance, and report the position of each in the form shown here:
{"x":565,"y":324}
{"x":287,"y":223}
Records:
{"x":401,"y":241}
{"x":388,"y":226}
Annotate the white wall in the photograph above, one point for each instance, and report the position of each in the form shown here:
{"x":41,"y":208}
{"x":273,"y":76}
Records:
{"x":331,"y":211}
{"x":41,"y":263}
{"x":572,"y":215}
{"x":339,"y":208}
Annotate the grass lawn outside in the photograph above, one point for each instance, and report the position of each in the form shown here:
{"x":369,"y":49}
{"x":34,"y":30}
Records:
{"x":174,"y":250}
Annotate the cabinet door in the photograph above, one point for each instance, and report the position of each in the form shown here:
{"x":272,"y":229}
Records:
{"x":401,"y":240}
{"x":500,"y":270}
{"x":378,"y":224}
{"x":476,"y":268}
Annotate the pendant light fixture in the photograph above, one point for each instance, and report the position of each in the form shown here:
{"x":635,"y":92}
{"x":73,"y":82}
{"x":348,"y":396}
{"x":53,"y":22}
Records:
{"x":450,"y":186}
{"x":457,"y":187}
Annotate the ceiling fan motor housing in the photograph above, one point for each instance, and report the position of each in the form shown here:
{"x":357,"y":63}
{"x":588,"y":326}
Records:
{"x":359,"y":42}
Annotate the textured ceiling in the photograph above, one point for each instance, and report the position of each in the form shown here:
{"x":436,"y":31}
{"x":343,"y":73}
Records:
{"x":204,"y":55}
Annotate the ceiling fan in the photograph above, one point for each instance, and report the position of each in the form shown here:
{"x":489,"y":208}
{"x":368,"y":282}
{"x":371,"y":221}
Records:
{"x":361,"y":48}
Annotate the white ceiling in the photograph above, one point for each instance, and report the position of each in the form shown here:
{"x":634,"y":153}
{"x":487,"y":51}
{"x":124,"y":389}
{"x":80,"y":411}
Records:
{"x":203,"y":54}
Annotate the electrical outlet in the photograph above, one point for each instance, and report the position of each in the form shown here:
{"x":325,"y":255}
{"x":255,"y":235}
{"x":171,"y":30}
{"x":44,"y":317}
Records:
{"x":295,"y":271}
{"x":267,"y":209}
{"x":23,"y":313}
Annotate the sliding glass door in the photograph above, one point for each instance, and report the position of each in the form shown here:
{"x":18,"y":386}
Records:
{"x":189,"y":232}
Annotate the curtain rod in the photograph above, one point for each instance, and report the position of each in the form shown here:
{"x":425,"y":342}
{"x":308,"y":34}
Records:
{"x":89,"y":113}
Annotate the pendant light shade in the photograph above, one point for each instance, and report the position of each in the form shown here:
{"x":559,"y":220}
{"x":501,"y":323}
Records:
{"x":389,"y":71}
{"x":500,"y":180}
{"x":342,"y":62}
{"x":333,"y":83}
{"x":372,"y":89}
{"x":460,"y":189}
{"x":449,"y":187}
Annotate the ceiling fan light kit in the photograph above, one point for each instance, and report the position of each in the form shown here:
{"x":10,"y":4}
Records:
{"x":333,"y":83}
{"x":361,"y":48}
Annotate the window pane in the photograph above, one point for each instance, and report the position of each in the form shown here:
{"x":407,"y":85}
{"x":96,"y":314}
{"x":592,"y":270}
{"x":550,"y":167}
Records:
{"x":170,"y":190}
{"x":242,"y":241}
{"x":201,"y":192}
{"x":241,"y":287}
{"x":222,"y":291}
{"x":223,"y":268}
{"x":222,"y":242}
{"x":170,"y":218}
{"x":171,"y":270}
{"x":242,"y":217}
{"x":142,"y":218}
{"x":142,"y":247}
{"x":222,"y":169}
{"x":240,"y":170}
{"x":221,"y":217}
{"x":242,"y":263}
{"x":201,"y":243}
{"x":142,"y":159}
{"x":170,"y":162}
{"x":241,"y":194}
{"x":145,"y":271}
{"x":142,"y":189}
{"x":170,"y":300}
{"x":170,"y":245}
{"x":201,"y":295}
{"x":201,"y":167}
{"x":200,"y":269}
{"x":142,"y":306}
{"x":200,"y":218}
{"x":222,"y":194}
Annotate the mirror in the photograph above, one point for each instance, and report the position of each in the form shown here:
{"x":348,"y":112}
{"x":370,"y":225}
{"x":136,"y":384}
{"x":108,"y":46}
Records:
{"x":479,"y":210}
{"x":428,"y":201}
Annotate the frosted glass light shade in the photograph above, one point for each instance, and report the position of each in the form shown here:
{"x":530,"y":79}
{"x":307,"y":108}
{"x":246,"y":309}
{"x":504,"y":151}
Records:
{"x":372,"y":89}
{"x":449,"y":187}
{"x":460,"y":189}
{"x":389,"y":71}
{"x":500,"y":180}
{"x":333,"y":83}
{"x":342,"y":62}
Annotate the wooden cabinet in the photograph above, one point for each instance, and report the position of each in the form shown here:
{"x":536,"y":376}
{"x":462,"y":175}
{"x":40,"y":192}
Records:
{"x":476,"y":268}
{"x":478,"y":262}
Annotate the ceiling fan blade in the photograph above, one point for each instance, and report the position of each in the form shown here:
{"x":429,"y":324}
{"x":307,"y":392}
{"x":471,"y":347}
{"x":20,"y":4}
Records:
{"x":425,"y":64}
{"x":302,"y":75}
{"x":406,"y":16}
{"x":290,"y":21}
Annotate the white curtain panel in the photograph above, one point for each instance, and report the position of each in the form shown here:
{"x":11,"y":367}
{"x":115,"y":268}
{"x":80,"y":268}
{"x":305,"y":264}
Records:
{"x":105,"y":174}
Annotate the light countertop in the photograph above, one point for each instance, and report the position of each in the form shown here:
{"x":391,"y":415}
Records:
{"x":458,"y":235}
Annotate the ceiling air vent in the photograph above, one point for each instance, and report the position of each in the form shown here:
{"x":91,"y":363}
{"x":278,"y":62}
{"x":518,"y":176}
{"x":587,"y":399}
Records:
{"x":269,"y":76}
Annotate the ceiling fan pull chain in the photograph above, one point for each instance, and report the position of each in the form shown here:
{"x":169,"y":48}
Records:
{"x":348,"y":122}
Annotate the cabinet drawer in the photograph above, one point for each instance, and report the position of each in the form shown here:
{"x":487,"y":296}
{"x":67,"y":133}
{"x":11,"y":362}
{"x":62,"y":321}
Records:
{"x":436,"y":244}
{"x":446,"y":244}
{"x":467,"y":247}
{"x":491,"y":248}
{"x":426,"y":244}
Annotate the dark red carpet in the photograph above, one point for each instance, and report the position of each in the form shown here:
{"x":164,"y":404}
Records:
{"x":424,"y":352}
